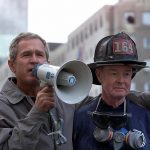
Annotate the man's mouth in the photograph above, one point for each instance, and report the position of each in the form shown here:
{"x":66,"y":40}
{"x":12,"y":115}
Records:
{"x":30,"y":71}
{"x":119,"y":88}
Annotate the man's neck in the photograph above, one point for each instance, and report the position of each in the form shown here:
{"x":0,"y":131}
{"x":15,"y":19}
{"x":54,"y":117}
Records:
{"x":114,"y":102}
{"x":29,"y":90}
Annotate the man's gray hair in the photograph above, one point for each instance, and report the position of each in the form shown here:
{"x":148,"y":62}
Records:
{"x":13,"y":48}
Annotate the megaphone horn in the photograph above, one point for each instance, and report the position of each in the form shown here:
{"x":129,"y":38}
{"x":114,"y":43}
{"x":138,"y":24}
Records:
{"x":72,"y":81}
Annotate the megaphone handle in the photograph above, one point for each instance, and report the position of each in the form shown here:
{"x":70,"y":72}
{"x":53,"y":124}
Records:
{"x":57,"y":126}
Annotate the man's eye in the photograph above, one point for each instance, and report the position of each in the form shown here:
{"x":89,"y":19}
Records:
{"x":41,"y":54}
{"x":128,"y":74}
{"x":25,"y":54}
{"x":113,"y":73}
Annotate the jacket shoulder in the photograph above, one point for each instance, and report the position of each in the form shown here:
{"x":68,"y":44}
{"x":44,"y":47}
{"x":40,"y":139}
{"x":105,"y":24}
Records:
{"x":140,"y":98}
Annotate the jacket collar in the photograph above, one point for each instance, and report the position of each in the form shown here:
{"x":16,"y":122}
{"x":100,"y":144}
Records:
{"x":12,"y":92}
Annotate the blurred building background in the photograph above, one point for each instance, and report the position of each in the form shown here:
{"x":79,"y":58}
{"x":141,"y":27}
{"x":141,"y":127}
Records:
{"x":131,"y":16}
{"x":13,"y":20}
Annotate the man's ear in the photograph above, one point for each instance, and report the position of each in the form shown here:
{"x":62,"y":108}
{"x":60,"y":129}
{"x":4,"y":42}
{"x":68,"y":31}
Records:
{"x":11,"y":65}
{"x":98,"y":74}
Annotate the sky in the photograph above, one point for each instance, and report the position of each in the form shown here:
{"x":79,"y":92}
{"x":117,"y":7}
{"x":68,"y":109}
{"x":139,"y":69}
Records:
{"x":54,"y":20}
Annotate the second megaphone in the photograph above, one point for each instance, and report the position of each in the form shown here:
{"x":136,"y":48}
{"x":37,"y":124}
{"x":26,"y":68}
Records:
{"x":72,"y":81}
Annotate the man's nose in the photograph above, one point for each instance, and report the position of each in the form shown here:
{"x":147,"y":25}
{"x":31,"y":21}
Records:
{"x":34,"y":59}
{"x":120,"y":78}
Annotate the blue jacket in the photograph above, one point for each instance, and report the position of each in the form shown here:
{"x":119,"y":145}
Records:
{"x":83,"y":138}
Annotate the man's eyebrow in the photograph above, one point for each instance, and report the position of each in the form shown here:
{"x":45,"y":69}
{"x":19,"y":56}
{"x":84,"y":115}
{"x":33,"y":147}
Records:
{"x":115,"y":69}
{"x":111,"y":69}
{"x":30,"y":50}
{"x":26,"y":52}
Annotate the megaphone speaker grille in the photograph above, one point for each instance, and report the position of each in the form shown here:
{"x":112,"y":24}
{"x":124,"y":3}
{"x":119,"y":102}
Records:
{"x":81,"y":88}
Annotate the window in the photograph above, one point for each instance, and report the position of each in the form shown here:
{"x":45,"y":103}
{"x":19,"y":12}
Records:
{"x":146,"y":18}
{"x":95,"y":25}
{"x":147,"y":87}
{"x":146,"y":43}
{"x":133,"y":86}
{"x":86,"y":33}
{"x":73,"y":43}
{"x":100,"y":22}
{"x":91,"y":29}
{"x":81,"y":36}
{"x":147,"y":64}
{"x":129,"y":17}
{"x":77,"y":40}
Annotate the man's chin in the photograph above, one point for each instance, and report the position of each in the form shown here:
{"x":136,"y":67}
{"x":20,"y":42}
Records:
{"x":120,"y":95}
{"x":34,"y":81}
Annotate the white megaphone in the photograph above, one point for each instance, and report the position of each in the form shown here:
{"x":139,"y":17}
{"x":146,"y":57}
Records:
{"x":72,"y":81}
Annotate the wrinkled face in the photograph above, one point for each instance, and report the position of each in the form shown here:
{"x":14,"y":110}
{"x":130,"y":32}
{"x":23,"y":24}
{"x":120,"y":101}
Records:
{"x":30,"y":52}
{"x":115,"y":80}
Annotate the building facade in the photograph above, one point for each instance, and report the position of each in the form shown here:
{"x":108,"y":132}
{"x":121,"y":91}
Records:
{"x":130,"y":16}
{"x":133,"y":17}
{"x":13,"y":20}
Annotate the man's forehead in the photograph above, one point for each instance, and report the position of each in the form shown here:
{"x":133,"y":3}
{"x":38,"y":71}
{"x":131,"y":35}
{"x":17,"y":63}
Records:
{"x":31,"y":50}
{"x":118,"y":66}
{"x":31,"y":41}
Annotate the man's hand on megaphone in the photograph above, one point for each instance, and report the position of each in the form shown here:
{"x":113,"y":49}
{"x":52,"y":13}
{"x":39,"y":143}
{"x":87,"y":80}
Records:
{"x":45,"y":99}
